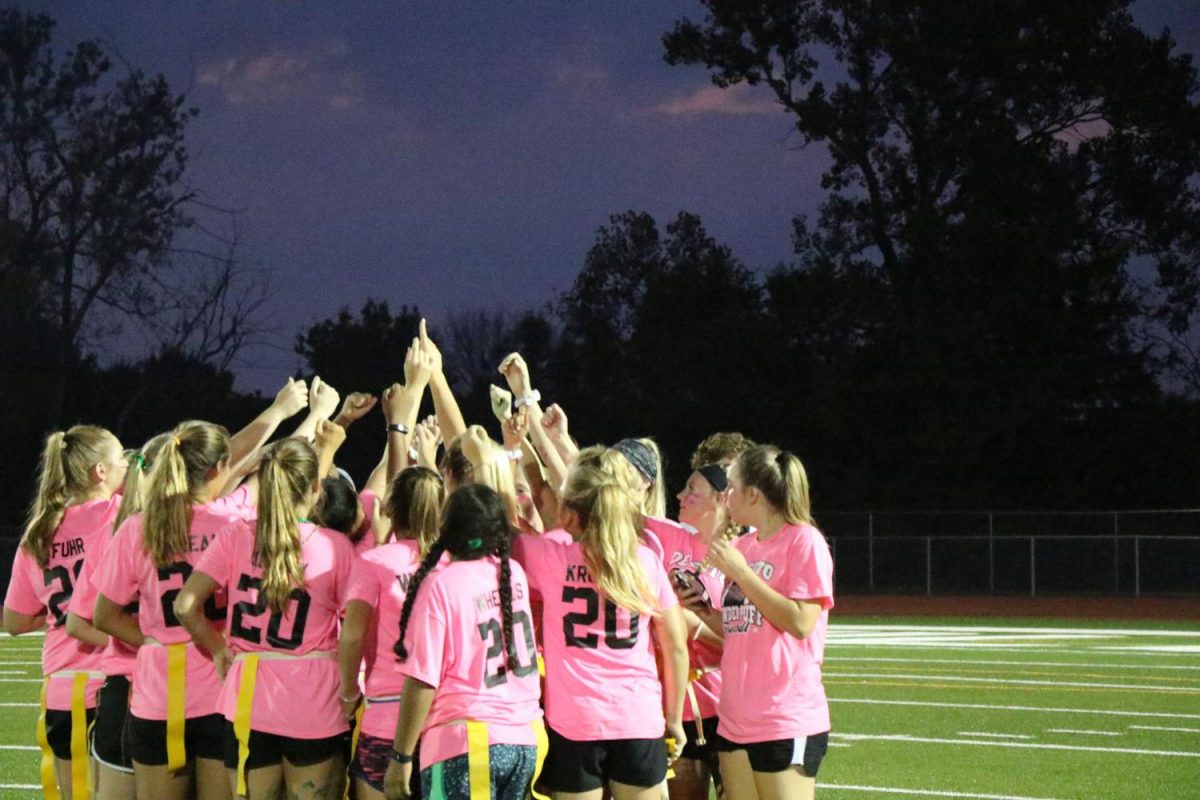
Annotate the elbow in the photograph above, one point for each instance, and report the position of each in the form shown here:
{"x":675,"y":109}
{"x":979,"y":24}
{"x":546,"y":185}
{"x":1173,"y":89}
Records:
{"x":74,"y":626}
{"x":11,"y":626}
{"x":186,"y":609}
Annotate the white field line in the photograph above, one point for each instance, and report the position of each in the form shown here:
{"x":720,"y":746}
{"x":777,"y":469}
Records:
{"x":20,"y":747}
{"x":1085,"y":733}
{"x":20,"y":705}
{"x":989,"y":707}
{"x":970,"y":662}
{"x":20,"y":786}
{"x":995,"y":735}
{"x":1020,"y":631}
{"x":14,"y":672}
{"x":1017,"y":682}
{"x":1157,"y":649}
{"x":900,"y":737}
{"x":846,"y":787}
{"x":1157,"y":728}
{"x":20,"y":680}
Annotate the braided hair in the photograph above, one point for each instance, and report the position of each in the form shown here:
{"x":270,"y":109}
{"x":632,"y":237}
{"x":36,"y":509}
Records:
{"x":475,"y":524}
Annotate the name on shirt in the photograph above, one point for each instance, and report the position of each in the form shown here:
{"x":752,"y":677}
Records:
{"x":578,"y":573}
{"x":200,"y":544}
{"x":72,"y":547}
{"x":404,"y":580}
{"x":490,"y":600}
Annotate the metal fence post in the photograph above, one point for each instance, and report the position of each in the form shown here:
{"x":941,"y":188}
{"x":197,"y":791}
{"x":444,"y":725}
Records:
{"x":1137,"y":566}
{"x":928,"y":566}
{"x":1116,"y":553}
{"x":991,"y":553}
{"x":1032,"y":568}
{"x":871,"y":550}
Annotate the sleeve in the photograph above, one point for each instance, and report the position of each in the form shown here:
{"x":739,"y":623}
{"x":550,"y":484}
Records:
{"x":808,"y":572}
{"x":364,"y":583}
{"x":345,"y":561}
{"x":425,"y":638}
{"x":22,"y":591}
{"x":660,"y":584}
{"x":83,"y":600}
{"x":214,"y":561}
{"x":116,"y":574}
{"x":529,"y":550}
{"x":239,"y":501}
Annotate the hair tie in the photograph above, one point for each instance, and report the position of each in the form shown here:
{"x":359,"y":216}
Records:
{"x":715,"y":475}
{"x":175,"y":440}
{"x":640,"y":456}
{"x":475,"y":544}
{"x":781,"y":459}
{"x":139,"y":461}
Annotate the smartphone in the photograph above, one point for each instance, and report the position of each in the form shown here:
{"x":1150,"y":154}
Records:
{"x":685,"y":581}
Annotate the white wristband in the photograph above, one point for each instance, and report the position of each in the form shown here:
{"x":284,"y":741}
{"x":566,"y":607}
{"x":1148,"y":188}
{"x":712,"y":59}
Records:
{"x":527,"y":399}
{"x":514,"y":455}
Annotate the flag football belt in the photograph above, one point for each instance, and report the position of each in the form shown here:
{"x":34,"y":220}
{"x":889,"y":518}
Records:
{"x":479,"y":763}
{"x":694,"y":675}
{"x":176,"y":700}
{"x":80,"y":761}
{"x":245,"y":701}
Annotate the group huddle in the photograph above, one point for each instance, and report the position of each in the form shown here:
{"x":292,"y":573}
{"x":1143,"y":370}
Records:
{"x":230,"y":618}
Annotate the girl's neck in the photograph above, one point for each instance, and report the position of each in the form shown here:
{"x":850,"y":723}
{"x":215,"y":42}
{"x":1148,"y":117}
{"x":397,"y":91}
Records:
{"x":772,"y":523}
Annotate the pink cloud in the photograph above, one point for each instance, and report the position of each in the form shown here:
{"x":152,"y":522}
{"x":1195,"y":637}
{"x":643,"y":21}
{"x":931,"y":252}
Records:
{"x":738,"y":99}
{"x":307,"y":77}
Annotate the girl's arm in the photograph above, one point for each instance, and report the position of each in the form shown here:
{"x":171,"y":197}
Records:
{"x":671,"y":633}
{"x":698,"y":629}
{"x":16,"y":623}
{"x":415,"y":701}
{"x":79,"y":628}
{"x":449,"y":416}
{"x":795,"y":617}
{"x":113,"y":620}
{"x":189,"y":610}
{"x":322,"y":402}
{"x":350,"y":651}
{"x":246,"y":442}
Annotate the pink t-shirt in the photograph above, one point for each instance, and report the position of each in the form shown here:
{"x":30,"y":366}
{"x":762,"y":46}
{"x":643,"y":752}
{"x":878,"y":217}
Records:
{"x":601,"y":675}
{"x":128,"y":573}
{"x":117,"y":658}
{"x":683,"y":550}
{"x":456,"y":645}
{"x":367,"y":542}
{"x":295,"y":697}
{"x":773,"y":686}
{"x":35,"y":590}
{"x":380,"y":579}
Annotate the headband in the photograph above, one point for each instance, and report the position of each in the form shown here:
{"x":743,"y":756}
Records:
{"x":640,"y":456}
{"x":715,"y":475}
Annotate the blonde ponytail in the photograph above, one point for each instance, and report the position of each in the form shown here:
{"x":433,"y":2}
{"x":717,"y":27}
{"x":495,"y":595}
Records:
{"x":175,"y":483}
{"x":415,"y":505}
{"x":781,"y":478}
{"x":133,"y":493}
{"x":490,"y":466}
{"x":286,"y":475}
{"x":64,"y":475}
{"x":612,"y":526}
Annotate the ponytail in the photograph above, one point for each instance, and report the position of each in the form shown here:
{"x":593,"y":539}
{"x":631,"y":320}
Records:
{"x":612,"y":526}
{"x":175,"y":483}
{"x":781,"y":478}
{"x":491,"y":467}
{"x":503,"y":545}
{"x":427,"y":564}
{"x":64,"y":475}
{"x":415,"y":505}
{"x":133,"y":493}
{"x":286,"y":475}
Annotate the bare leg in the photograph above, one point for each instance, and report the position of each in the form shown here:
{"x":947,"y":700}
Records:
{"x":263,"y":783}
{"x":321,"y":781}
{"x":211,"y":782}
{"x":112,"y":784}
{"x":690,"y":781}
{"x":62,"y":770}
{"x":791,"y":784}
{"x":595,"y":794}
{"x":159,"y":783}
{"x":623,"y":791}
{"x":737,"y":776}
{"x":364,"y":791}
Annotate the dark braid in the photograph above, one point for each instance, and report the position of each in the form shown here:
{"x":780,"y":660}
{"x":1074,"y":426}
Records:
{"x":427,"y":564}
{"x":506,"y":614}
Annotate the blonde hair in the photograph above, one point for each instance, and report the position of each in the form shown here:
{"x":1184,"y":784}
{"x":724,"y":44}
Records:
{"x":655,"y":504}
{"x":415,"y":505}
{"x":64,"y":475}
{"x":133,"y":493}
{"x":286,"y":475}
{"x":612,"y":527}
{"x":720,"y":448}
{"x":781,"y":478}
{"x":481,"y":460}
{"x":611,"y":462}
{"x":180,"y":471}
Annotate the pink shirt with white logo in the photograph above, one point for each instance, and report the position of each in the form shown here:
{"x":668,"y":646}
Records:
{"x":117,"y":658}
{"x":683,"y":550}
{"x":601,"y":675}
{"x":34,"y":590}
{"x":456,"y":645}
{"x":773,"y":686}
{"x":380,"y":579}
{"x":128,"y":573}
{"x":295,"y":696}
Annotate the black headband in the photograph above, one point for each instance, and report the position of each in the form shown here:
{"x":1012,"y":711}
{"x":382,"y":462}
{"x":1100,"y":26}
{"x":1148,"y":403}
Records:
{"x":640,"y":456}
{"x":715,"y":475}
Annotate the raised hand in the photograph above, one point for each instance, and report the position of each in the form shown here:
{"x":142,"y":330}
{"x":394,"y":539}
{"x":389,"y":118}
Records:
{"x":516,"y":372}
{"x":418,"y":366}
{"x":354,"y":407}
{"x":330,"y":435}
{"x":514,"y":429}
{"x":429,"y":348}
{"x":291,"y":399}
{"x":393,"y":403}
{"x":322,"y":398}
{"x":425,"y":440}
{"x":554,"y":420}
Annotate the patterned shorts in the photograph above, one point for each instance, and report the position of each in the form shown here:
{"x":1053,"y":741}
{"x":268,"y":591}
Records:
{"x":512,"y":770}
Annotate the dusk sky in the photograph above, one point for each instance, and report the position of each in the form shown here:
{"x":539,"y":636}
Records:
{"x":460,"y":155}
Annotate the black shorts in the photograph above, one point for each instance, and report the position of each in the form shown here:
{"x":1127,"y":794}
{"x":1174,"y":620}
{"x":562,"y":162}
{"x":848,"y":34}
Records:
{"x":269,"y":749}
{"x":203,"y":737}
{"x":781,"y":754}
{"x":573,"y":766}
{"x":112,"y":734}
{"x":58,"y":731}
{"x":700,"y":752}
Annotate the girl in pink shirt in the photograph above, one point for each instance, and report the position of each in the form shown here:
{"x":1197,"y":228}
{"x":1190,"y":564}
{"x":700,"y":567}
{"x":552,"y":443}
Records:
{"x":73,"y":511}
{"x":774,"y":714}
{"x":372,"y":623}
{"x":287,"y":581}
{"x":466,"y":649}
{"x":603,"y":593}
{"x":176,"y":734}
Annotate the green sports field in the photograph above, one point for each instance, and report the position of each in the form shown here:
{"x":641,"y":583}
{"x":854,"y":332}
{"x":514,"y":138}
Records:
{"x":1001,"y":710}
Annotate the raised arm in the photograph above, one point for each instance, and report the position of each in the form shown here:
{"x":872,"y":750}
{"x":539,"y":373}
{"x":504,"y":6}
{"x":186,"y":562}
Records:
{"x":449,"y":416}
{"x":244,"y":445}
{"x":322,"y":402}
{"x":526,"y":403}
